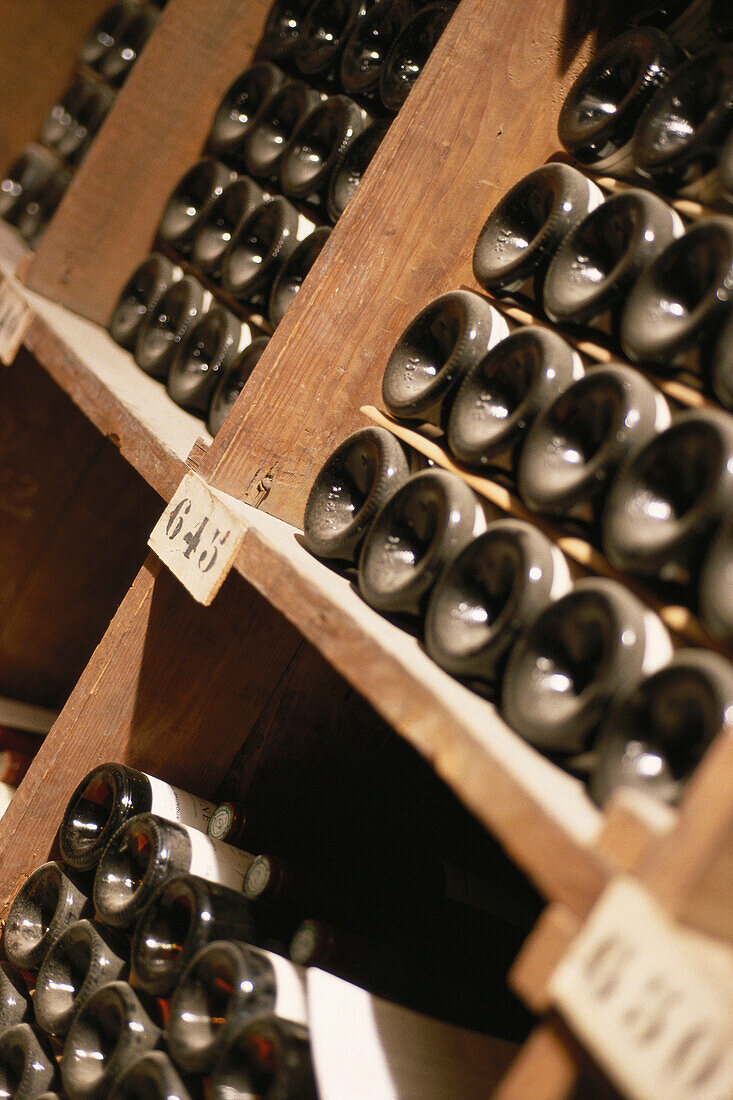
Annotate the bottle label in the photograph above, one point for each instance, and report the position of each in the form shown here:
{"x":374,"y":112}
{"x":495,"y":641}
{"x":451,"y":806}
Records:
{"x":176,"y":805}
{"x":289,"y":987}
{"x":216,"y":861}
{"x":221,"y":821}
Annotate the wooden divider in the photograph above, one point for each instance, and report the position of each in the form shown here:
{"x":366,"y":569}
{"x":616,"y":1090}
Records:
{"x":107,"y":220}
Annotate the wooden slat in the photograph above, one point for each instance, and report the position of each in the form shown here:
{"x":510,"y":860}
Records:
{"x":156,"y":130}
{"x":482,"y":113}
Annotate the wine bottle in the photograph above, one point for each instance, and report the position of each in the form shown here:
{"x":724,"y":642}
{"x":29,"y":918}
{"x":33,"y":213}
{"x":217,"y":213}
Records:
{"x":575,"y":445}
{"x":368,"y":962}
{"x":291,"y":275}
{"x":491,"y":591}
{"x":165,"y":327}
{"x":325,"y":30}
{"x":720,"y":366}
{"x":24,"y":180}
{"x":354,"y":483}
{"x":669,"y":497}
{"x":318,"y":146}
{"x":140,"y":296}
{"x":260,"y":247}
{"x":44,"y":907}
{"x":504,"y":391}
{"x":409,"y":52}
{"x":16,"y":1006}
{"x":146,"y":851}
{"x":242,"y":104}
{"x":675,"y":309}
{"x":106,"y":32}
{"x":225,"y":984}
{"x":283,"y":29}
{"x":655,"y":735}
{"x":368,"y":46}
{"x":689,"y":23}
{"x":435,"y":352}
{"x":109,"y":1033}
{"x":72,"y":122}
{"x":116,"y":62}
{"x":601,"y":110}
{"x":716,"y":584}
{"x":574,"y":659}
{"x":525,"y":228}
{"x":36,"y":212}
{"x":347,"y":176}
{"x":420,"y":528}
{"x":232,"y":382}
{"x":268,"y":1057}
{"x":27,"y":1064}
{"x":206,"y":352}
{"x":191,"y":200}
{"x":154,"y":1077}
{"x":265,"y":143}
{"x":678,"y":138}
{"x":111,"y":794}
{"x":238,"y":200}
{"x":84,"y":957}
{"x":597,"y":262}
{"x":181,"y":916}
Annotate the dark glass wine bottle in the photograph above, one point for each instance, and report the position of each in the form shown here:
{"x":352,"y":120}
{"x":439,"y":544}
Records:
{"x":410,"y":50}
{"x":238,"y":200}
{"x":165,"y":327}
{"x":146,"y":851}
{"x":435,"y":352}
{"x":720,"y":367}
{"x":368,"y":46}
{"x":241,"y":106}
{"x":106,"y":32}
{"x":502,"y":394}
{"x":716,"y":584}
{"x":265,"y":143}
{"x":283,"y":28}
{"x":152,"y":1077}
{"x":266,"y":1057}
{"x":324,"y":32}
{"x":232,"y":382}
{"x":349,"y":490}
{"x":191,"y":200}
{"x":575,"y":445}
{"x":597,"y":262}
{"x":111,"y":794}
{"x":357,"y":158}
{"x":578,"y":655}
{"x":40,"y":207}
{"x":110,"y":1032}
{"x":291,"y":275}
{"x":27,"y":1063}
{"x":181,"y":916}
{"x":675,"y":309}
{"x":317,"y":147}
{"x":24,"y":180}
{"x":260,"y":247}
{"x":75,"y":118}
{"x":525,"y":228}
{"x":488,"y":594}
{"x":421,"y":527}
{"x":140,"y":296}
{"x":678,"y":138}
{"x":670,"y":496}
{"x":601,"y":110}
{"x":208,"y":350}
{"x":225,"y":984}
{"x":116,"y":62}
{"x":655,"y":736}
{"x":83,"y":958}
{"x":16,"y":1006}
{"x":44,"y":907}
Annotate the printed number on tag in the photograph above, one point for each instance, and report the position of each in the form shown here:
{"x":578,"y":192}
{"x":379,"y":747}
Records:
{"x":15,"y":317}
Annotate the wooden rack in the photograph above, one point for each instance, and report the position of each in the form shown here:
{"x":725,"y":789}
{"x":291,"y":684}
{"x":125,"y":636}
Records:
{"x":251,"y":695}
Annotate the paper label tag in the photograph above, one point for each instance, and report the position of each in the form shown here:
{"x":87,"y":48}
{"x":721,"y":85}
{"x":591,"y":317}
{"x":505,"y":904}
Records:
{"x":654,"y":1010}
{"x":176,"y":805}
{"x":15,"y":319}
{"x":216,"y":861}
{"x":198,"y":538}
{"x":289,"y":988}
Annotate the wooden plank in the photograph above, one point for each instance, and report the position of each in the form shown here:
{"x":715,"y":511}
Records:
{"x":156,"y":129}
{"x":481,"y":115}
{"x":38,"y":44}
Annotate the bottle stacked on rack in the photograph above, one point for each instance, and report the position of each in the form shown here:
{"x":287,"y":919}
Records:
{"x":36,"y":181}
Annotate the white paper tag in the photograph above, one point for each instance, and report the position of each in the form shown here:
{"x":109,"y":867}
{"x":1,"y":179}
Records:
{"x":15,"y":319}
{"x":176,"y":805}
{"x":216,"y":861}
{"x":647,"y":1000}
{"x":198,"y":538}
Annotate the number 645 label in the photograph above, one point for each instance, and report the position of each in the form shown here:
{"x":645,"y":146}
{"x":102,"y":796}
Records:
{"x":198,"y":538}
